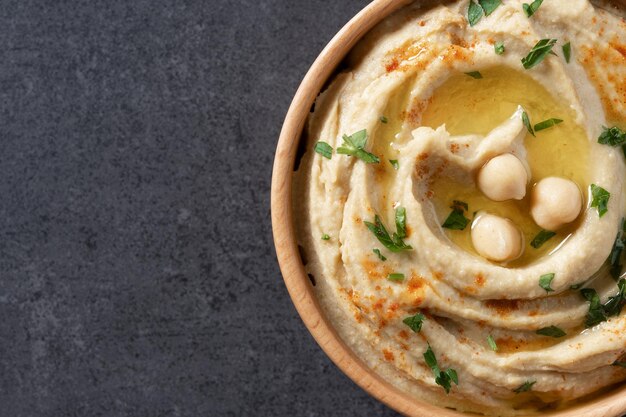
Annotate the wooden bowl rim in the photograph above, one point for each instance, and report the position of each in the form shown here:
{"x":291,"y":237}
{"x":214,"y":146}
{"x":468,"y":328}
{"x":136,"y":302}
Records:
{"x":296,"y":280}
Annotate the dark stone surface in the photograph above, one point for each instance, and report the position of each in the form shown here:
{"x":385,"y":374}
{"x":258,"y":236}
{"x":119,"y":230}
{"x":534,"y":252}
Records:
{"x":138,"y":276}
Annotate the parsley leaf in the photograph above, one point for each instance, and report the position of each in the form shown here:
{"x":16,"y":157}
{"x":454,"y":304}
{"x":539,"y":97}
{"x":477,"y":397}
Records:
{"x":492,"y":343}
{"x":567,"y":51}
{"x":394,"y":164}
{"x":415,"y":322}
{"x":475,"y":74}
{"x":499,"y":48}
{"x":526,"y":386}
{"x":456,"y":220}
{"x":618,"y":363}
{"x":541,"y":238}
{"x":545,"y":281}
{"x":353,"y":145}
{"x":383,"y":119}
{"x":613,"y":136}
{"x":538,"y":53}
{"x":380,"y":255}
{"x":401,"y":222}
{"x":489,"y":5}
{"x":531,"y":8}
{"x":396,"y":277}
{"x":325,"y":237}
{"x":324,"y":149}
{"x":526,"y":122}
{"x":547,"y":123}
{"x":601,"y":312}
{"x":551,"y":331}
{"x":394,"y":242}
{"x":600,"y":199}
{"x":615,"y":257}
{"x":443,"y":378}
{"x":474,"y":13}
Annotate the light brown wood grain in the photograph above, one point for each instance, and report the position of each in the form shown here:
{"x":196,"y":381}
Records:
{"x":612,"y":404}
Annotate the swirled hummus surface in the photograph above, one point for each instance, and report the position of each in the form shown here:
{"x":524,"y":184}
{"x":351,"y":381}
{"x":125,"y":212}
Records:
{"x":388,"y":203}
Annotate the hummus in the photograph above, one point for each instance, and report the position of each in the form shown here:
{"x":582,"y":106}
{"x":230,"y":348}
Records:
{"x":500,"y":322}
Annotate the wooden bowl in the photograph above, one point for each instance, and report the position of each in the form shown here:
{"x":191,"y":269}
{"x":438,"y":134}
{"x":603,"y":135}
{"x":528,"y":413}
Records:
{"x":611,"y":404}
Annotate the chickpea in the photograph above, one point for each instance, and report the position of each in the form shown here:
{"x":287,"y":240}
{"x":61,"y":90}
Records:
{"x":503,"y":178}
{"x":496,"y":238}
{"x":554,"y":202}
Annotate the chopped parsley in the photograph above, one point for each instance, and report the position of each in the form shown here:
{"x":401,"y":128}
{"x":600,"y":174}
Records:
{"x":380,"y":255}
{"x":551,"y":331}
{"x":456,"y":219}
{"x":443,"y":378}
{"x":618,"y":363}
{"x":394,"y":242}
{"x":396,"y":277}
{"x":401,"y":222}
{"x":489,"y":6}
{"x":353,"y":145}
{"x":325,"y":237}
{"x":499,"y":48}
{"x":547,"y":123}
{"x":600,"y":199}
{"x":538,"y":53}
{"x":415,"y":322}
{"x":394,"y":163}
{"x":475,"y":74}
{"x":531,"y":8}
{"x":324,"y":149}
{"x":599,"y":312}
{"x":545,"y":281}
{"x":541,"y":238}
{"x":492,"y":343}
{"x":526,"y":386}
{"x":613,"y":136}
{"x":383,"y":119}
{"x":474,"y":13}
{"x":567,"y":51}
{"x":526,"y":122}
{"x":615,"y":258}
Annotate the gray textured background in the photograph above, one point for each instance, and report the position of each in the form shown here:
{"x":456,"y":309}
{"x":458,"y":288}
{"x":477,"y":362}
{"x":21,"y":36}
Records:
{"x":138,"y":275}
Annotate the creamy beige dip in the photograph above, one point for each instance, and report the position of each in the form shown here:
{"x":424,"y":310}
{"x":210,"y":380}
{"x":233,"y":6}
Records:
{"x":411,"y":83}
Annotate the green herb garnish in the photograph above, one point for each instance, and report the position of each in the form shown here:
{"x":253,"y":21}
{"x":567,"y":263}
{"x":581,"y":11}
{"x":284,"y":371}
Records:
{"x":551,"y":331}
{"x":324,"y":149}
{"x":474,"y":74}
{"x":394,"y":164}
{"x":541,"y":238}
{"x":615,"y":258}
{"x":456,"y":220}
{"x":383,"y":119}
{"x":380,"y":255}
{"x":545,"y":281}
{"x":567,"y":51}
{"x":600,"y":199}
{"x":599,"y":312}
{"x":618,"y":363}
{"x":325,"y":237}
{"x":492,"y":343}
{"x":395,"y":277}
{"x":499,"y":48}
{"x":547,"y":123}
{"x":526,"y":386}
{"x":415,"y":322}
{"x":394,"y":242}
{"x":526,"y":121}
{"x":531,"y":8}
{"x":474,"y":13}
{"x":353,"y":145}
{"x":538,"y":53}
{"x":489,"y":6}
{"x":613,"y":136}
{"x":443,"y":378}
{"x":401,"y":222}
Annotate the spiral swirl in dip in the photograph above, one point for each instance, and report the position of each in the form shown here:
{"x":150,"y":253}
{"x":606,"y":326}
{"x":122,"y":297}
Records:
{"x":433,"y":160}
